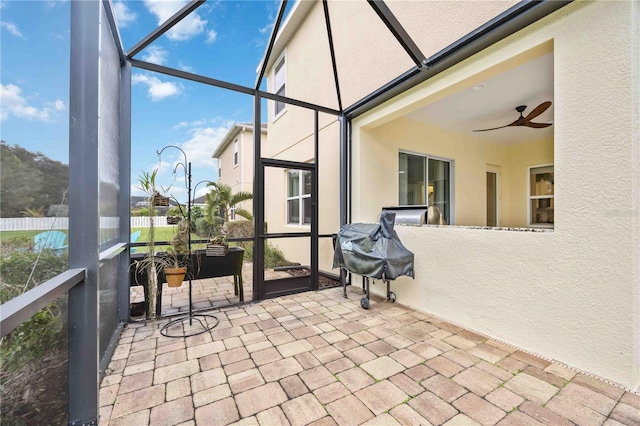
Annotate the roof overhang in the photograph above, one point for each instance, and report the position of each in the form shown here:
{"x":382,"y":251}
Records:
{"x":235,"y":129}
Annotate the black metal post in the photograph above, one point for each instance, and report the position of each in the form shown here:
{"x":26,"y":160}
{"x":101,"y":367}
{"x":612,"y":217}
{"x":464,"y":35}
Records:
{"x":272,"y":40}
{"x":332,"y":51}
{"x":189,"y":239}
{"x":258,"y":202}
{"x":124,"y":301}
{"x":343,"y":169}
{"x":83,"y":306}
{"x":315,"y":197}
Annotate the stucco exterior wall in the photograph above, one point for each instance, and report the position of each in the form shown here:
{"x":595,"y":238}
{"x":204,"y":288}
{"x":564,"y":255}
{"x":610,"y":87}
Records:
{"x":361,"y":69}
{"x":571,"y":294}
{"x":240,"y":176}
{"x":328,"y":200}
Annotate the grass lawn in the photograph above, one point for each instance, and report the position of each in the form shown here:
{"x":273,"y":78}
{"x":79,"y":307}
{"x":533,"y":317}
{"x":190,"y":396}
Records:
{"x":164,"y":233}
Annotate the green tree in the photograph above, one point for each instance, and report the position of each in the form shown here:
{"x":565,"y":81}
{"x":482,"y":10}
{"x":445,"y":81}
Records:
{"x":29,"y":181}
{"x":19,"y":184}
{"x":221,"y":200}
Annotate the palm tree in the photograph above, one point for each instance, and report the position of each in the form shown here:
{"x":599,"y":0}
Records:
{"x":221,"y":200}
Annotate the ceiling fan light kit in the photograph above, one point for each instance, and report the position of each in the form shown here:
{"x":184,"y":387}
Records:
{"x":526,"y":121}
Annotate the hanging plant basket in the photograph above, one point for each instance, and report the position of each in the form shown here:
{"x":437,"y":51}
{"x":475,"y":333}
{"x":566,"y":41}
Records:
{"x":175,"y":276}
{"x":160,"y":200}
{"x":173,"y":220}
{"x":217,"y":249}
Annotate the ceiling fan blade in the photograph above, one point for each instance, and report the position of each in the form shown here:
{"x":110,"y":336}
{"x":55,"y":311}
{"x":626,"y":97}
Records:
{"x":494,"y":128}
{"x":538,"y":110}
{"x":538,"y":125}
{"x":515,"y":123}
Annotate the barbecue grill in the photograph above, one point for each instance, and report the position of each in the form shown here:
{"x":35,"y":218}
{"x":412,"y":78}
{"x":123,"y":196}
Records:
{"x":372,"y":250}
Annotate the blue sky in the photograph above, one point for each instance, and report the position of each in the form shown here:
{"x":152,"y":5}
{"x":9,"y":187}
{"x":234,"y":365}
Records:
{"x":222,"y":39}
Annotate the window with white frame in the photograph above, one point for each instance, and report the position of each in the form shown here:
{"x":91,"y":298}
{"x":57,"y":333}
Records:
{"x":219,"y":167}
{"x":235,"y":152}
{"x":298,"y":197}
{"x":541,"y":196}
{"x":279,"y":85}
{"x":425,"y":180}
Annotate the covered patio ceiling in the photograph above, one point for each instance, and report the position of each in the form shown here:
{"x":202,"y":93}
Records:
{"x":491,"y":103}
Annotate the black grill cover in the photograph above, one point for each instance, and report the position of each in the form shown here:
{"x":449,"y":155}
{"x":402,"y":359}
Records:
{"x":373,"y":250}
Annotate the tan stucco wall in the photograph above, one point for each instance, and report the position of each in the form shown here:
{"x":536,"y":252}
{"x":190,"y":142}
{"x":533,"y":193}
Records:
{"x":571,"y":294}
{"x":329,"y":188}
{"x":367,"y":54}
{"x":362,"y":69}
{"x":240,"y":176}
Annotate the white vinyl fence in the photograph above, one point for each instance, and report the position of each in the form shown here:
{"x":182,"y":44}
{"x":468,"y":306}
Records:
{"x":46,"y":223}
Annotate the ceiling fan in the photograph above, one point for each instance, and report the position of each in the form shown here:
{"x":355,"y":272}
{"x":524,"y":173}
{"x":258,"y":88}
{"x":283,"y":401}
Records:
{"x":526,"y":121}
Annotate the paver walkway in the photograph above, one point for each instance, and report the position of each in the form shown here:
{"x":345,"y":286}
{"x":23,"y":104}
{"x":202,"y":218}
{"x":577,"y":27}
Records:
{"x":317,"y":358}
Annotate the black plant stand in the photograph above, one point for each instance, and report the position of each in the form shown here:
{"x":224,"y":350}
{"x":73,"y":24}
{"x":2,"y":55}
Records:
{"x":178,"y":327}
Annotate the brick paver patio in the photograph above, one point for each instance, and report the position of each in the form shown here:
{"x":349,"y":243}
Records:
{"x":317,"y":358}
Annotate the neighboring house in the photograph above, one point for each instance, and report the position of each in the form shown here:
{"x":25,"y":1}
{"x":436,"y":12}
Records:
{"x":139,"y":201}
{"x":575,"y":281}
{"x":235,"y":160}
{"x":199,"y":201}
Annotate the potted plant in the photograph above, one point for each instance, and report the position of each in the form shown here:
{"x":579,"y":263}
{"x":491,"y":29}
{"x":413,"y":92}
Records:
{"x":150,"y":268}
{"x":217,"y":244}
{"x":175,"y":261}
{"x":144,"y":269}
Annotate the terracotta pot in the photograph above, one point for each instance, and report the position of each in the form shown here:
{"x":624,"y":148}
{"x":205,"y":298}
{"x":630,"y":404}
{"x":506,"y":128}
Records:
{"x":175,"y":276}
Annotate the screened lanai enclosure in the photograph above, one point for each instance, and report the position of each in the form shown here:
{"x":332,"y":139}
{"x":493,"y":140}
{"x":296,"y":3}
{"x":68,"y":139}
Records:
{"x":96,"y":284}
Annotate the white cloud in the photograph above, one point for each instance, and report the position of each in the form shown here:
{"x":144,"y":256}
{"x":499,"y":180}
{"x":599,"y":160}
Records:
{"x":189,"y":27}
{"x":123,"y":14}
{"x":59,"y":105}
{"x":184,"y":67}
{"x":158,"y":89}
{"x":12,"y":28}
{"x":202,"y":144}
{"x":211,"y":36}
{"x":266,"y":29}
{"x":193,"y":125}
{"x":155,"y":55}
{"x":13,"y":103}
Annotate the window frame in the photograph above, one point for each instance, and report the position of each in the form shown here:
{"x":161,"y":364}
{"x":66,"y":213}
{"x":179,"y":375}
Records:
{"x":280,"y":64}
{"x":530,"y":197}
{"x":426,"y":157}
{"x":235,"y":152}
{"x":299,"y":198}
